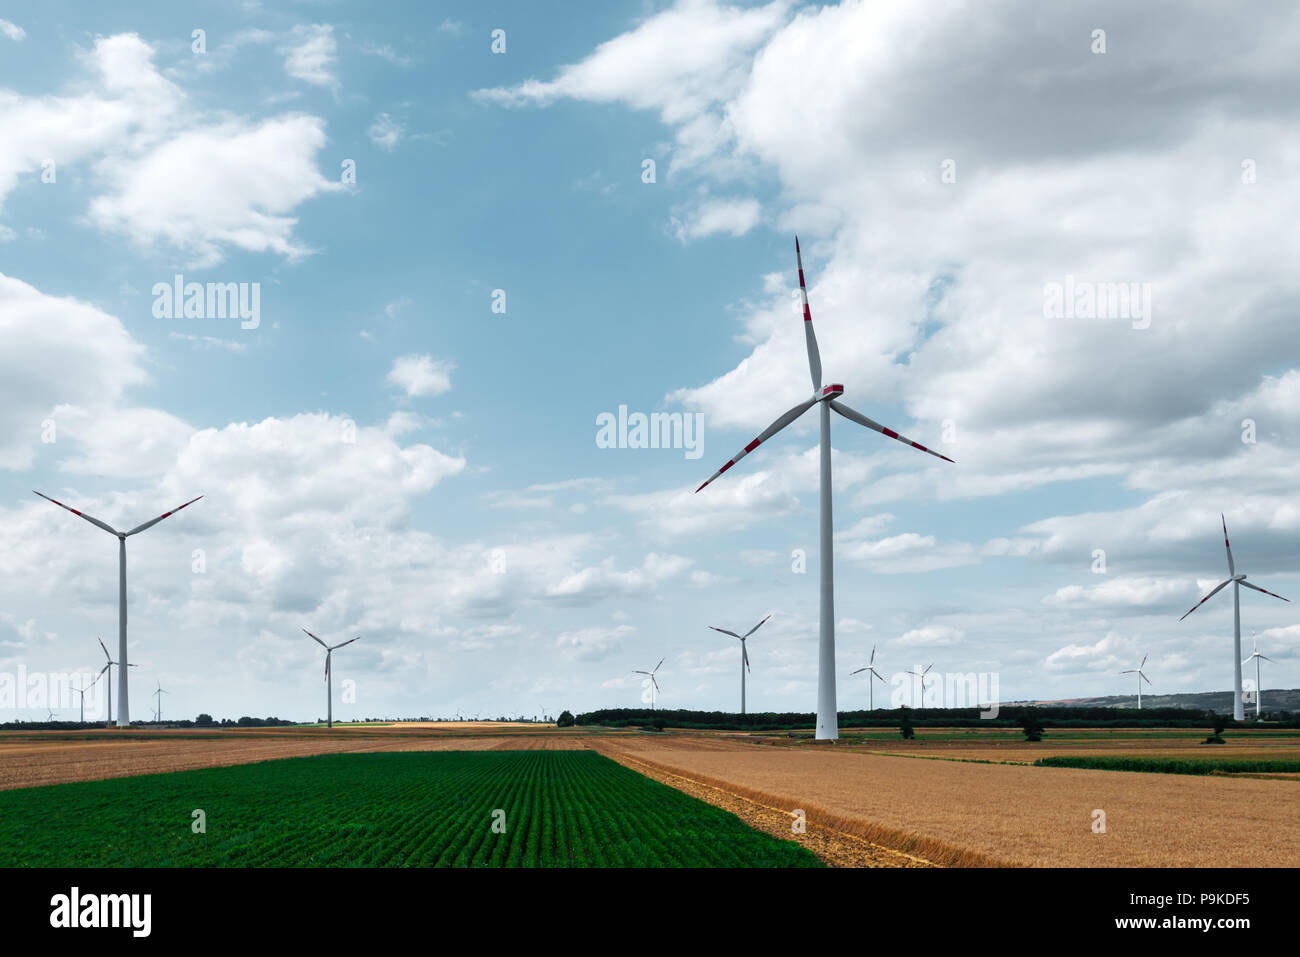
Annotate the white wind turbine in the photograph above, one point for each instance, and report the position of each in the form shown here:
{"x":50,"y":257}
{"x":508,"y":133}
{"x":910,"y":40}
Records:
{"x":920,"y":676}
{"x":157,"y":715}
{"x":871,"y":706}
{"x":108,"y":668}
{"x":654,"y":685}
{"x":744,"y":656}
{"x":1140,"y":677}
{"x":1259,"y":689}
{"x":826,"y":397}
{"x":82,"y":692}
{"x":329,"y":681}
{"x":123,"y":715}
{"x":1238,"y":711}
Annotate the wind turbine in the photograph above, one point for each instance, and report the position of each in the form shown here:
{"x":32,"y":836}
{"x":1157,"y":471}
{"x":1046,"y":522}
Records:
{"x":744,"y":656}
{"x":654,"y":685}
{"x":544,"y":713}
{"x":1254,"y":653}
{"x":1140,"y":678}
{"x":82,"y":692}
{"x":50,"y":717}
{"x":329,"y":682}
{"x":921,"y":675}
{"x":1238,"y":712}
{"x":158,"y":694}
{"x":109,"y":668}
{"x":123,"y":716}
{"x":827,"y":719}
{"x":871,"y":706}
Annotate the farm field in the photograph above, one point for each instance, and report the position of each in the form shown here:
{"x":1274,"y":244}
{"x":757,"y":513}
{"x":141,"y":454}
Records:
{"x":959,"y":813}
{"x":409,"y":809}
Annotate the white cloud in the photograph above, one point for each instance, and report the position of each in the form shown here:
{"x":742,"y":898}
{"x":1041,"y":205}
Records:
{"x":594,"y":644}
{"x":929,"y":636}
{"x":310,"y":55}
{"x":420,"y":376}
{"x":732,"y":216}
{"x":386,"y":52}
{"x":12,"y":31}
{"x":385,"y":132}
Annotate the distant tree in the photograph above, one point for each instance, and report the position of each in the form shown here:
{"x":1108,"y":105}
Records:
{"x":1220,"y":722}
{"x":204,"y":721}
{"x":1033,"y":727}
{"x":565,"y":720}
{"x":905,"y":727}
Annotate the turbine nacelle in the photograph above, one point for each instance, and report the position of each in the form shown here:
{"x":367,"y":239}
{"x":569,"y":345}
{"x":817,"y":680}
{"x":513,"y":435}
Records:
{"x":831,"y":392}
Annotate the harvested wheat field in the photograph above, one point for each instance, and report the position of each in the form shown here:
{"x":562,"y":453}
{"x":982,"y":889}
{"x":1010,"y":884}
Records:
{"x":52,"y":758}
{"x":960,"y":814}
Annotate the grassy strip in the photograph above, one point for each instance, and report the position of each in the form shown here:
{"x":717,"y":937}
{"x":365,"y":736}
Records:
{"x":1172,"y":765}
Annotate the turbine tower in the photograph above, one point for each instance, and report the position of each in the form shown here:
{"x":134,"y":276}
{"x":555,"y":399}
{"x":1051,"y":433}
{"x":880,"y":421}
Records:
{"x":329,"y":681}
{"x":744,"y":656}
{"x":826,"y":397}
{"x":1140,"y":677}
{"x":1238,"y":711}
{"x":654,"y":685}
{"x":109,"y":668}
{"x":871,"y":705}
{"x":123,"y":712}
{"x":1259,"y":689}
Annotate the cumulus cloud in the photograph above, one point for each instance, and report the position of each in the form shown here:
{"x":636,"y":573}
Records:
{"x":12,"y":31}
{"x":420,"y":376}
{"x":386,"y":132}
{"x":310,"y":55}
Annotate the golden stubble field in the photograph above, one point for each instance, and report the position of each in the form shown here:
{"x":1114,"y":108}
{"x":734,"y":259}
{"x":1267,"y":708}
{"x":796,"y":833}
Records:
{"x":862,"y":808}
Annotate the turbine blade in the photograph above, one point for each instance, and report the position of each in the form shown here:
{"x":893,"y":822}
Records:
{"x":1129,"y":671}
{"x":342,"y":643}
{"x":766,"y":434}
{"x":661,"y":661}
{"x":154,"y":521}
{"x":1231,"y":569}
{"x":859,"y":671}
{"x":876,"y":673}
{"x":810,"y":337}
{"x":638,"y":671}
{"x":1144,"y":677}
{"x":1267,"y":658}
{"x":106,"y":654}
{"x":745,"y":655}
{"x":315,"y":639}
{"x":756,"y":627}
{"x":872,"y":659}
{"x":91,"y":519}
{"x":1266,"y":592}
{"x":1207,"y":598}
{"x":102,"y":670}
{"x":1144,"y":662}
{"x":725,"y":632}
{"x":653,"y":682}
{"x":861,"y":419}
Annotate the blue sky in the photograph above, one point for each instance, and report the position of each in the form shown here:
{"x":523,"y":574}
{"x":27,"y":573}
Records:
{"x":493,"y":556}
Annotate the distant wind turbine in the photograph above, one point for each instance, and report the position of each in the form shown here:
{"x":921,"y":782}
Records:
{"x":1259,"y":689}
{"x":1140,"y":678}
{"x":654,"y":685}
{"x":123,"y":715}
{"x":158,"y":694}
{"x":921,"y":680}
{"x":871,"y":706}
{"x":827,"y":397}
{"x":744,"y":656}
{"x":329,"y":681}
{"x":82,"y":692}
{"x":1238,"y":710}
{"x":108,"y":669}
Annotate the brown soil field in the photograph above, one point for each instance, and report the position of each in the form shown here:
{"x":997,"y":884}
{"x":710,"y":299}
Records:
{"x":956,"y":813}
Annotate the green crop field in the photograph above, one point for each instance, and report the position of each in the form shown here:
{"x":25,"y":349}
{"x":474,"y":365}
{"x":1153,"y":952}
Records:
{"x":413,"y":809}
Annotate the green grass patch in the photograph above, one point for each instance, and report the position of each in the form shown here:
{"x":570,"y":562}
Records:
{"x":1174,"y":765}
{"x":417,"y":809}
